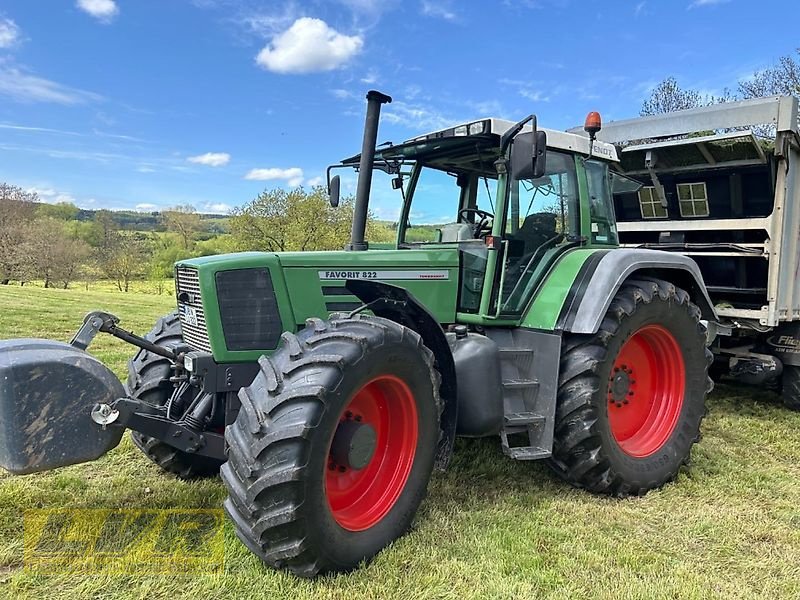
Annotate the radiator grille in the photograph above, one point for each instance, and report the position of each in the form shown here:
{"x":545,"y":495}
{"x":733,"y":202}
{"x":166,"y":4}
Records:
{"x":249,"y":309}
{"x":190,"y":308}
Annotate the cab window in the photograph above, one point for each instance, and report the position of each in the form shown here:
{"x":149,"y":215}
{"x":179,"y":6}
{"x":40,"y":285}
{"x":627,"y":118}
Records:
{"x":444,"y":207}
{"x":601,"y":209}
{"x":542,"y":216}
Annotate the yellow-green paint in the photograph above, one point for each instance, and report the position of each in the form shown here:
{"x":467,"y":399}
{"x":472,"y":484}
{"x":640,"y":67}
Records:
{"x":546,"y":306}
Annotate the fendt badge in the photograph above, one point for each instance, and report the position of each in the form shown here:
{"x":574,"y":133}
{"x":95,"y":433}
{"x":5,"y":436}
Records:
{"x":384,"y":275}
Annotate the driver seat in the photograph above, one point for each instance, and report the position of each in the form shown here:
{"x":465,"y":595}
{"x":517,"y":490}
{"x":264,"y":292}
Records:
{"x":455,"y":232}
{"x":536,"y":229}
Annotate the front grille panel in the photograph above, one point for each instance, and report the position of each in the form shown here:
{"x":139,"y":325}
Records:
{"x":190,"y":309}
{"x":249,"y":309}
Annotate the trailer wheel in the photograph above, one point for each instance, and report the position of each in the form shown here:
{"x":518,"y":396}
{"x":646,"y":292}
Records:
{"x":631,"y":397}
{"x":148,"y":380}
{"x":331,"y":453}
{"x":791,"y":387}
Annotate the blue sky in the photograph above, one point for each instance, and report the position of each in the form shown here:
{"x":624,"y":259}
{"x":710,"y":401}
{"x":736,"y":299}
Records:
{"x":145,"y":104}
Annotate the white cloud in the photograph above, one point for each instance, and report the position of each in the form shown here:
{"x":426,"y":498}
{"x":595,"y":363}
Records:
{"x":9,"y":33}
{"x":145,"y":169}
{"x":699,"y":3}
{"x":415,"y":116}
{"x":529,"y":89}
{"x":219,"y":207}
{"x":534,"y":95}
{"x":24,"y":87}
{"x":52,"y":196}
{"x":67,"y":198}
{"x":269,"y":24}
{"x":102,"y":10}
{"x":29,"y":129}
{"x":439,"y":8}
{"x":308,"y":46}
{"x":146,"y":207}
{"x":42,"y":192}
{"x":343,"y":94}
{"x":314,"y":181}
{"x":492,"y":108}
{"x":370,"y":78}
{"x":211,"y":159}
{"x":293,"y":175}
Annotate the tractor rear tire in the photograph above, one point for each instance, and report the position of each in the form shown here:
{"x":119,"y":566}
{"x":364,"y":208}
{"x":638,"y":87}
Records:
{"x":631,"y":397}
{"x":148,"y":380}
{"x":331,"y":452}
{"x":790,"y":394}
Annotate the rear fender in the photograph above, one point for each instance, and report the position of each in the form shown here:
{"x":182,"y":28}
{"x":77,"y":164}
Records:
{"x":47,"y":391}
{"x":604,"y":272}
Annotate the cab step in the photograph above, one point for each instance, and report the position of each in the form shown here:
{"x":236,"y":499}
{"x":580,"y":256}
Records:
{"x":529,"y":371}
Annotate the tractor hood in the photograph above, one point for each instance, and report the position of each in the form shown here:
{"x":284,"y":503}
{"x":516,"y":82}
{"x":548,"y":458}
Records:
{"x":237,"y":305}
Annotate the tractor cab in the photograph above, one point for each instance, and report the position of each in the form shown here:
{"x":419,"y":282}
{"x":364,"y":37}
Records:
{"x":479,"y":188}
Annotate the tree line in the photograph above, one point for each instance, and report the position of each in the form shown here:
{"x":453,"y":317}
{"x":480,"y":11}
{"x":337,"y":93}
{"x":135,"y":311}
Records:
{"x":48,"y":242}
{"x":780,"y":79}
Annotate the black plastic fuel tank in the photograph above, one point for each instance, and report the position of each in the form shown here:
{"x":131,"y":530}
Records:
{"x":479,"y":386}
{"x":47,"y":391}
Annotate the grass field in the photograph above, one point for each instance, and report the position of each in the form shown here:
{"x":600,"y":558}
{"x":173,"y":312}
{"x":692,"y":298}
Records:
{"x":729,"y":527}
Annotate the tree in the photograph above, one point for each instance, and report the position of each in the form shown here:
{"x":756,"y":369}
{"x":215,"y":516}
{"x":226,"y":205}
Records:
{"x":65,"y":211}
{"x":51,"y":255}
{"x":782,"y":79}
{"x":184,"y":221}
{"x":279,"y":220}
{"x":125,"y":259}
{"x":103,"y":231}
{"x":17,"y":210}
{"x":668,"y":96}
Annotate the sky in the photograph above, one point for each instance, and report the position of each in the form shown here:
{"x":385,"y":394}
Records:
{"x":148,"y":104}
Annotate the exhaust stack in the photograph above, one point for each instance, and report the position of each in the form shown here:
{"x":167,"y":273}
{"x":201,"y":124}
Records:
{"x":374,"y":101}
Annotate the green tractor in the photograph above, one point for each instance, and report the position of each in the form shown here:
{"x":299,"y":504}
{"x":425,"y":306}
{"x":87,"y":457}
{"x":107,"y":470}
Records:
{"x":324,"y":387}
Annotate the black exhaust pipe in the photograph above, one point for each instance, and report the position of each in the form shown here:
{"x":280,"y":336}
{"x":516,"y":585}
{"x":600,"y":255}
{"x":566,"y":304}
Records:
{"x":374,"y":101}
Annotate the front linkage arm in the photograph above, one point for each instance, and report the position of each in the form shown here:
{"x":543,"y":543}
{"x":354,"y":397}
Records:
{"x":99,"y":321}
{"x":186,"y":434}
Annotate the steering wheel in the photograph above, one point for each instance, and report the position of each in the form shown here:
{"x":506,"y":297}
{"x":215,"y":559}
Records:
{"x":481,"y":227}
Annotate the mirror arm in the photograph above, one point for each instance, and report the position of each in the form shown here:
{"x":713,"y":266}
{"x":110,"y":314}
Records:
{"x":509,"y":135}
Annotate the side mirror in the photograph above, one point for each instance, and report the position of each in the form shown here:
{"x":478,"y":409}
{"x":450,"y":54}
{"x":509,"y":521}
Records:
{"x":333,"y":191}
{"x":529,"y":155}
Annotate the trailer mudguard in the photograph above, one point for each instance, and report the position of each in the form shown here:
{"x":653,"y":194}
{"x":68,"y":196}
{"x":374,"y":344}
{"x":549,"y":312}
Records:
{"x":605,"y":271}
{"x":784,"y":343}
{"x":47,"y":391}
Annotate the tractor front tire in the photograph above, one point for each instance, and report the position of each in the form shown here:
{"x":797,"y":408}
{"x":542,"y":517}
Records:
{"x":331,"y":453}
{"x":148,"y":380}
{"x":631,"y":397}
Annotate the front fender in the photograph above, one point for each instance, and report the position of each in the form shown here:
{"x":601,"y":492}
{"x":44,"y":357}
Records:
{"x":605,"y":272}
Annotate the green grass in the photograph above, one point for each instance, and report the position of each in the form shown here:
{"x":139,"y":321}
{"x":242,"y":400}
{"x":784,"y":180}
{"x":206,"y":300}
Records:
{"x":728,"y":527}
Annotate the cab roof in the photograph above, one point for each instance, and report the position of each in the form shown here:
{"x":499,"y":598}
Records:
{"x":474,"y":145}
{"x":495,"y":127}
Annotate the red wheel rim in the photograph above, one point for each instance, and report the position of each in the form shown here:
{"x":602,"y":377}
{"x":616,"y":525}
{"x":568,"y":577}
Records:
{"x":360,"y":498}
{"x":645,"y":391}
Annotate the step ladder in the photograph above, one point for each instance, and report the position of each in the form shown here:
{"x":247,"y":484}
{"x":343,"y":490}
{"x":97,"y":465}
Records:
{"x":529,"y":371}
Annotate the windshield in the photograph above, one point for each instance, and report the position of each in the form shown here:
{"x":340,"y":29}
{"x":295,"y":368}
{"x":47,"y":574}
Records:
{"x":447,"y":206}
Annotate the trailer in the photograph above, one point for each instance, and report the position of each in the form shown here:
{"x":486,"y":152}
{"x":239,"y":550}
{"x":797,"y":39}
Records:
{"x":720,"y":184}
